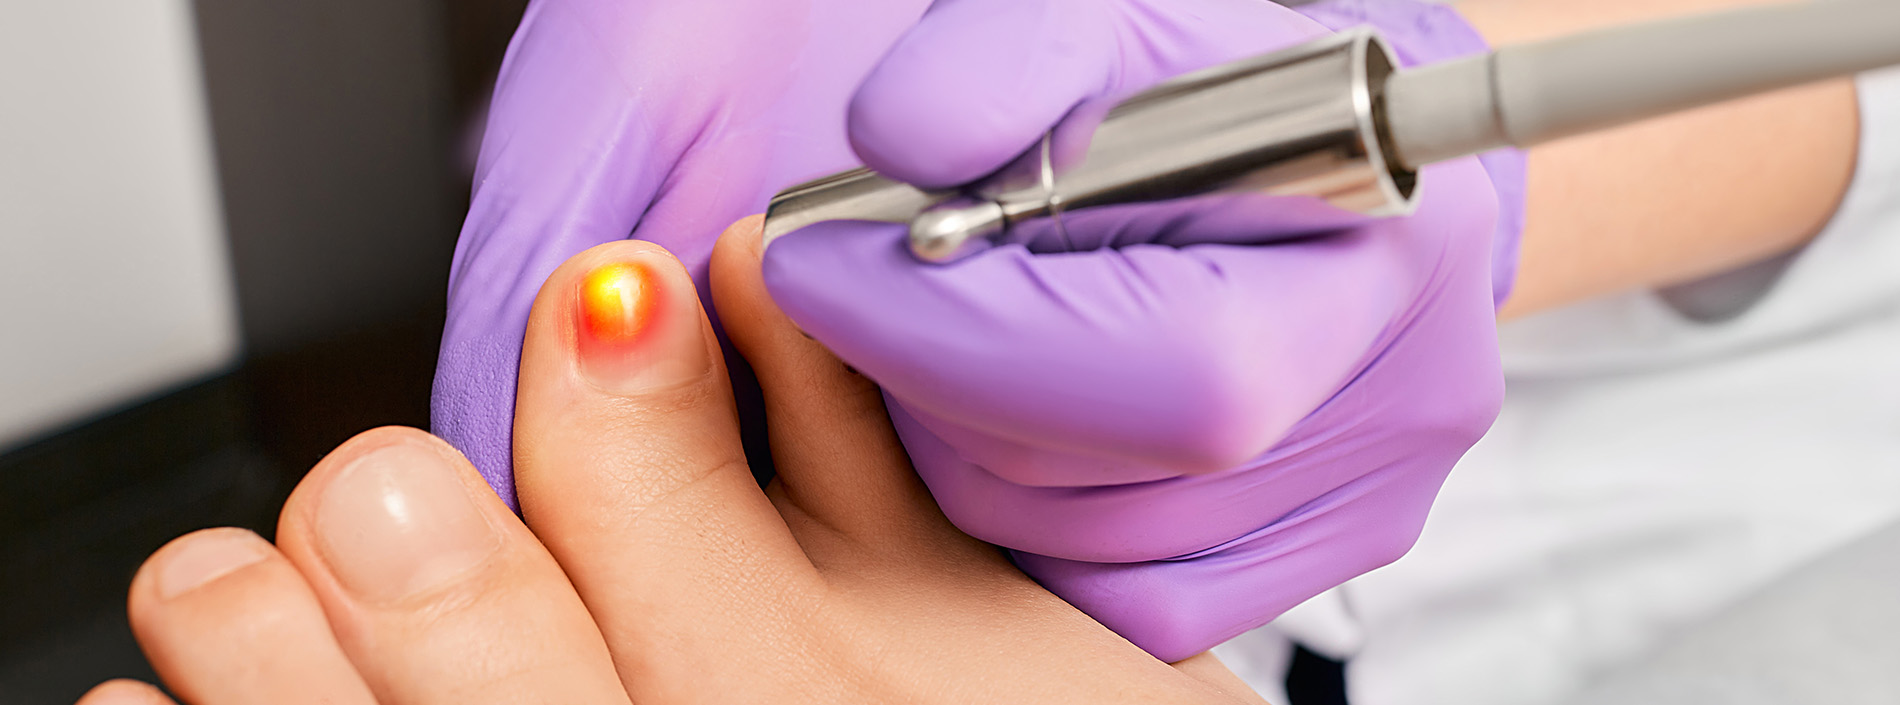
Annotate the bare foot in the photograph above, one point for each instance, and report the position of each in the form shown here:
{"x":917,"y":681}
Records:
{"x":650,"y":568}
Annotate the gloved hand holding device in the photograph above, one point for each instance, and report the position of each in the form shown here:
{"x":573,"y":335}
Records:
{"x":653,"y":119}
{"x":1182,"y":434}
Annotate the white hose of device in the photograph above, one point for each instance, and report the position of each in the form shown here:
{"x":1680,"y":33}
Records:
{"x":1532,"y":93}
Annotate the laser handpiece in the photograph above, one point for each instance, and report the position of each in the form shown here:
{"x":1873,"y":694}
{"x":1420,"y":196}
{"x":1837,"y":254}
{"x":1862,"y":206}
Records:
{"x":1336,"y":120}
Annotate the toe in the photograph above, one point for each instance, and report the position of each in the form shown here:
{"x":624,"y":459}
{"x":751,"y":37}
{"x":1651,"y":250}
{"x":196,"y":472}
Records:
{"x":224,"y":618}
{"x":124,"y":692}
{"x":629,"y":466}
{"x":436,"y":592}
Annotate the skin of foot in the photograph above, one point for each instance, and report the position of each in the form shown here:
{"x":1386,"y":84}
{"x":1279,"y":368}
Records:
{"x":647,"y":566}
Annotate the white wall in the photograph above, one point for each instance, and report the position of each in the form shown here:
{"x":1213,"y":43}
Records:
{"x":113,"y":275}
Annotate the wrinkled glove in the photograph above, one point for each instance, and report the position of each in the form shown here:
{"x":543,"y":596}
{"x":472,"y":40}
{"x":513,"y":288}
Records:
{"x":663,"y":120}
{"x":1181,"y":434}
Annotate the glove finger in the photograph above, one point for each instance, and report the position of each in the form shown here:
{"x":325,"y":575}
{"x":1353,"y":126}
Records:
{"x":1191,"y":359}
{"x":977,"y":82}
{"x":1176,"y":358}
{"x":1420,"y":402}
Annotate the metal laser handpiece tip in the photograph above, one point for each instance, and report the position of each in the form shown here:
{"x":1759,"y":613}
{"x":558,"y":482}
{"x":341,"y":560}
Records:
{"x":955,"y":229}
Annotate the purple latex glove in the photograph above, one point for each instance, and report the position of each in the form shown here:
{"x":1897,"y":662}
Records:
{"x":663,"y":120}
{"x":1183,"y":438}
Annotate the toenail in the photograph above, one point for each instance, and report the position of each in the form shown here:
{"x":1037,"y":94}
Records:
{"x":636,"y":328}
{"x":207,"y":557}
{"x":397,"y":521}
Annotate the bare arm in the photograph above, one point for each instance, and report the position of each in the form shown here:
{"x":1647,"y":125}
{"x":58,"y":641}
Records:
{"x":1675,"y":199}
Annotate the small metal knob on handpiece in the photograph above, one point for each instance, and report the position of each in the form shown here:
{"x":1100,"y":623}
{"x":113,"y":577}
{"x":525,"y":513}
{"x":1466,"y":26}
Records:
{"x":955,"y":229}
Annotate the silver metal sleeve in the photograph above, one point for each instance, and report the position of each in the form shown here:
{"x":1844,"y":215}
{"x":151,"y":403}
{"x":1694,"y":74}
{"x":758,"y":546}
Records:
{"x":1533,"y":93}
{"x":1299,"y":122}
{"x":1295,"y":122}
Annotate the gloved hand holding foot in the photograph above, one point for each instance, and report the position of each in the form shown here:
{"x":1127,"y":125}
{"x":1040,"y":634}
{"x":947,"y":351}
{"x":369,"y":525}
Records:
{"x":646,"y":119}
{"x":1181,"y":434}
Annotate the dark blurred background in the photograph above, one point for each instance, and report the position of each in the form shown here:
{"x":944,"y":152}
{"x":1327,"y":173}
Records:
{"x":343,"y":132}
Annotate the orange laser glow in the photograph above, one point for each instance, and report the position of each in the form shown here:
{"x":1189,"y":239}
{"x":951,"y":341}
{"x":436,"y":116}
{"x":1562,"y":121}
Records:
{"x":615,"y":302}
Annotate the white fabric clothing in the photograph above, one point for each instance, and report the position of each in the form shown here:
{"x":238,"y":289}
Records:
{"x":1649,"y":468}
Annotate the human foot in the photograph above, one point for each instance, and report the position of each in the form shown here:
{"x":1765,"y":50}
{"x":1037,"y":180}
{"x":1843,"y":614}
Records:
{"x":650,"y":567}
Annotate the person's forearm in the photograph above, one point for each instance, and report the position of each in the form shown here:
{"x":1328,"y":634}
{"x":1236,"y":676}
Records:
{"x":1675,"y":199}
